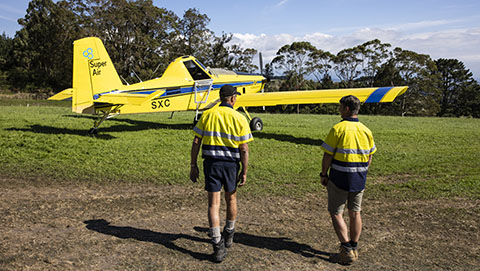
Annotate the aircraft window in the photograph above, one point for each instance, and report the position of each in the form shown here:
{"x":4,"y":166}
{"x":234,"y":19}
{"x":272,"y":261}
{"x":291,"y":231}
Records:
{"x":200,"y":63}
{"x":195,"y":71}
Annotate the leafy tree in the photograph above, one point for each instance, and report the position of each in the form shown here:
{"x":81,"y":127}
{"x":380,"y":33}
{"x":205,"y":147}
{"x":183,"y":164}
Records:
{"x":295,"y":60}
{"x":6,"y":50}
{"x":471,"y":101}
{"x":193,"y":35}
{"x":457,"y":86}
{"x":347,"y":63}
{"x":373,"y":53}
{"x":42,"y":48}
{"x":321,"y":64}
{"x":418,"y":72}
{"x":242,"y":59}
{"x":219,"y":54}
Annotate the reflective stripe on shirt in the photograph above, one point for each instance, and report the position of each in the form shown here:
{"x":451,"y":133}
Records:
{"x":220,"y":151}
{"x":353,"y":151}
{"x":328,"y":147}
{"x":349,"y":167}
{"x":224,"y":135}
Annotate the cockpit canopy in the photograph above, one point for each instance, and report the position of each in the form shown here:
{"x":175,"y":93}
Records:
{"x":195,"y":71}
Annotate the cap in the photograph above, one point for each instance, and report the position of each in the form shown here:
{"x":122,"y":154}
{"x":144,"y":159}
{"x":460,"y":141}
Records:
{"x":228,"y":90}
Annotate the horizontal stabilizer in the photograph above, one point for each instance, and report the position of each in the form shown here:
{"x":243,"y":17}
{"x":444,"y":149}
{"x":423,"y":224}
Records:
{"x":127,"y":98}
{"x":65,"y":94}
{"x":367,"y":95}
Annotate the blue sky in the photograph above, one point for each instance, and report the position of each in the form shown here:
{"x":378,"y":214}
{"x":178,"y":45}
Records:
{"x":440,"y":28}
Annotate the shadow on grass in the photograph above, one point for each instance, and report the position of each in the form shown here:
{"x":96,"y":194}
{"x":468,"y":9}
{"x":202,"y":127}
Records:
{"x":103,"y":131}
{"x":289,"y":138}
{"x":275,"y":244}
{"x":59,"y":131}
{"x":165,"y":239}
{"x":135,"y":125}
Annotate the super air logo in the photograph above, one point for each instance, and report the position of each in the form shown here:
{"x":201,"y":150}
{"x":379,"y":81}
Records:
{"x":88,"y":53}
{"x":160,"y":104}
{"x":96,"y":67}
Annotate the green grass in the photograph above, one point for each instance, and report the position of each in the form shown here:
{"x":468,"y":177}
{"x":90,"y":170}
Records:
{"x":416,"y":158}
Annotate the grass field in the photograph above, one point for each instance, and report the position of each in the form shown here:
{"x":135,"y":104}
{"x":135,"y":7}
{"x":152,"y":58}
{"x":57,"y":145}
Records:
{"x":123,"y":200}
{"x":417,"y":157}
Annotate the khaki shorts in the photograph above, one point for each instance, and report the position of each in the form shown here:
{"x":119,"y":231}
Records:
{"x":338,"y":197}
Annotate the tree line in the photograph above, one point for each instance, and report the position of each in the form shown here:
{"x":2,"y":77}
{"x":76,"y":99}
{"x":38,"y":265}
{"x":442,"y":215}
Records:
{"x":442,"y":87}
{"x":143,"y":39}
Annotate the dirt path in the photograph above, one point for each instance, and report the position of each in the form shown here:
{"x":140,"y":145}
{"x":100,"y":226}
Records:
{"x":82,"y":226}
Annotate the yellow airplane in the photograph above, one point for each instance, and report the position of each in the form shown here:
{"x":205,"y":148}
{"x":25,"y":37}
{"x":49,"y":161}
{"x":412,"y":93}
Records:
{"x":186,"y":85}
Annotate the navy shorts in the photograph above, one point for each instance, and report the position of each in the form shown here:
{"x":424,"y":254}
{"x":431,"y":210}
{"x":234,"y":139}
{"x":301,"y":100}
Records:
{"x":220,"y":173}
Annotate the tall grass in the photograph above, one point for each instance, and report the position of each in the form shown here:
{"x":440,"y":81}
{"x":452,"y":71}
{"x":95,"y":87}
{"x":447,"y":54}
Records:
{"x":416,"y":158}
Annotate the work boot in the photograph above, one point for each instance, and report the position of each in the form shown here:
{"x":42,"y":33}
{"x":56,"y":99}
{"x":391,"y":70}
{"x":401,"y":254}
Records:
{"x":355,"y":253}
{"x":346,"y":256}
{"x":219,"y":251}
{"x":228,"y":236}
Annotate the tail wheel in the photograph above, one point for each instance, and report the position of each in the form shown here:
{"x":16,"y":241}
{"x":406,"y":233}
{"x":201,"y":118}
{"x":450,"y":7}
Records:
{"x":93,"y":131}
{"x":256,"y":124}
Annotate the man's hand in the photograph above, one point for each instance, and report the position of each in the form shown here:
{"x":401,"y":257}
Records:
{"x":324,"y":178}
{"x":324,"y":181}
{"x":242,"y":178}
{"x":194,"y":173}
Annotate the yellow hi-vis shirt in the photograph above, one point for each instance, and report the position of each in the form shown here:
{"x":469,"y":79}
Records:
{"x":351,"y":144}
{"x":222,"y":130}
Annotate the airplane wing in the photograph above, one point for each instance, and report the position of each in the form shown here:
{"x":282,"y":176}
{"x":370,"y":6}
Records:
{"x":367,"y":95}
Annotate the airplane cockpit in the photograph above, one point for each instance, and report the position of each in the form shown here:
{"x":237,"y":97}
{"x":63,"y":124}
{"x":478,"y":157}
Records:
{"x":195,"y":71}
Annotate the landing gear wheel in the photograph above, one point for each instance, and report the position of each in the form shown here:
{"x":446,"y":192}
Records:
{"x":93,"y":131}
{"x":256,"y":124}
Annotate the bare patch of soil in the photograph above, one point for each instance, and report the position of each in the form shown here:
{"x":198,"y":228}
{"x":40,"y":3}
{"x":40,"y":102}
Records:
{"x":84,"y":226}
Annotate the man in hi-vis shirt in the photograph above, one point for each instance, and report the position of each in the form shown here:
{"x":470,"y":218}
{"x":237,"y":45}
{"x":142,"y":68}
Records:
{"x":348,"y":149}
{"x":223,"y":134}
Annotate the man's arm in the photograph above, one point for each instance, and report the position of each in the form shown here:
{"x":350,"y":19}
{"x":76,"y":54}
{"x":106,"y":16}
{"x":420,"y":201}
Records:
{"x":326,"y":162}
{"x":194,"y":173}
{"x":242,"y":177}
{"x":370,"y":160}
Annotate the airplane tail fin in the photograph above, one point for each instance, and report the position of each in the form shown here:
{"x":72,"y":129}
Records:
{"x":93,"y":73}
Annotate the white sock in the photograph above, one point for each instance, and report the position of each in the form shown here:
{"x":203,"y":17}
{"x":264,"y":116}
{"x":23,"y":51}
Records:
{"x":215,"y":234}
{"x":230,"y":225}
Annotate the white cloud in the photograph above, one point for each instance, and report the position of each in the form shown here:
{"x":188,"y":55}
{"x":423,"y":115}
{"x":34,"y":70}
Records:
{"x":461,"y":44}
{"x":11,"y":9}
{"x":281,"y":3}
{"x":424,"y":24}
{"x":7,"y":19}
